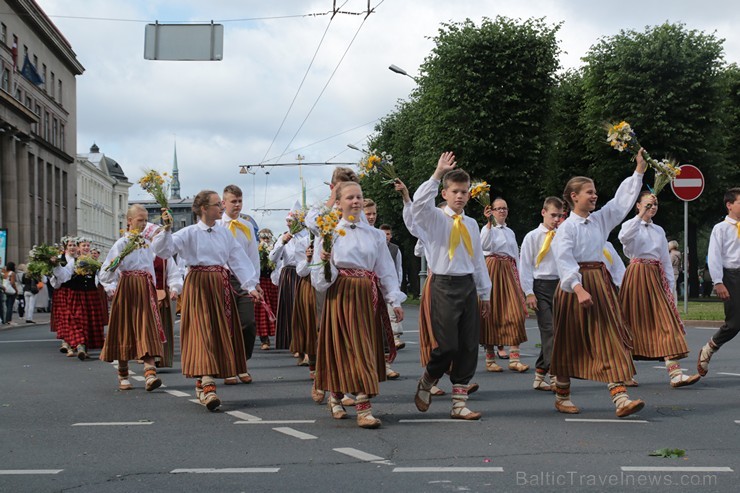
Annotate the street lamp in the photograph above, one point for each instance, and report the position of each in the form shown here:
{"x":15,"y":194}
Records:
{"x":399,"y":70}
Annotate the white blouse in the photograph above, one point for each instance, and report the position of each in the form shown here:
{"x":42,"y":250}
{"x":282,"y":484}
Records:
{"x":498,"y":238}
{"x":581,"y":239}
{"x":286,"y":251}
{"x":201,"y":245}
{"x":528,"y":272}
{"x":642,"y":239}
{"x":303,"y":265}
{"x":362,"y":247}
{"x":724,"y":249}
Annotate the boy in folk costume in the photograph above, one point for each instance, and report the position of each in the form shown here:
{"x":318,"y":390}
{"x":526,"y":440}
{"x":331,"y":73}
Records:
{"x":539,"y":278}
{"x":724,"y":268}
{"x":504,"y":326}
{"x":242,"y":230}
{"x":459,"y":281}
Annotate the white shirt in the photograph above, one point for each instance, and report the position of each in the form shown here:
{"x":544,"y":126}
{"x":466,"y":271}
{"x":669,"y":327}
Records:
{"x":250,"y":246}
{"x":286,"y":251}
{"x":724,"y":249}
{"x":581,"y":239}
{"x":139,"y":259}
{"x":363,"y":247}
{"x":500,"y":239}
{"x":60,"y":274}
{"x":303,"y":265}
{"x":195,"y":245}
{"x":616,"y":267}
{"x":435,"y":225}
{"x":642,"y":239}
{"x":528,"y":272}
{"x":408,"y":219}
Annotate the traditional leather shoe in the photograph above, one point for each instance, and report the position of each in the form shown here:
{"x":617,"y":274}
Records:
{"x":471,"y":416}
{"x":541,"y":385}
{"x":562,"y":408}
{"x":436,"y":391}
{"x":70,"y":353}
{"x":245,"y":378}
{"x":493,"y":367}
{"x":368,"y":421}
{"x":317,"y":395}
{"x":348,"y":401}
{"x":685,"y":382}
{"x":473,"y":388}
{"x":230,"y":381}
{"x":518,"y":366}
{"x":421,"y":404}
{"x":64,"y":348}
{"x":265,"y":346}
{"x":152,"y":381}
{"x":631,"y":408}
{"x":211,"y":401}
{"x":336,"y":409}
{"x":391,"y":374}
{"x":81,"y":352}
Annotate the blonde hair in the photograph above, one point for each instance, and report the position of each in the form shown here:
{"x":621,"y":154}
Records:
{"x":342,"y":174}
{"x":575,"y":184}
{"x":672,"y":245}
{"x":133,"y":209}
{"x":345,"y":184}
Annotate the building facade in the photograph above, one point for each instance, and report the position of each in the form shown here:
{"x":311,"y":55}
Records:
{"x":38,"y":128}
{"x":102,"y":198}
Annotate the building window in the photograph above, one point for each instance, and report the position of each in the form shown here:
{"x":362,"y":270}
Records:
{"x":47,"y":117}
{"x":25,"y":52}
{"x":43,"y":72}
{"x":54,"y":131}
{"x":36,"y":62}
{"x":61,"y":136}
{"x":59,"y":91}
{"x":6,"y":80}
{"x":4,"y":33}
{"x":51,"y":86}
{"x":18,"y":94}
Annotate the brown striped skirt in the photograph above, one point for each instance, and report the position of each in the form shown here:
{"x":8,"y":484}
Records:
{"x":591,"y":343}
{"x":426,"y":338}
{"x":135,"y":329}
{"x":305,"y":324}
{"x":650,"y":311}
{"x":350,"y":348}
{"x":168,"y":325}
{"x":210,"y":332}
{"x":287,"y":288}
{"x":504,"y":325}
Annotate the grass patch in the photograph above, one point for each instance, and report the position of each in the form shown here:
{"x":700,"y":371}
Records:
{"x":703,"y":310}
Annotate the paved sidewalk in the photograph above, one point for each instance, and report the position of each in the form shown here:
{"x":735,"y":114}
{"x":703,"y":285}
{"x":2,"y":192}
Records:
{"x":39,"y":318}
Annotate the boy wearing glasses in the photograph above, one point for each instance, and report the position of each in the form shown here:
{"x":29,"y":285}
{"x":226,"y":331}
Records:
{"x":539,"y":277}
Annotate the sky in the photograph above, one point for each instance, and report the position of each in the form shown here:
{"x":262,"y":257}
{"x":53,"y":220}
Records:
{"x":229,"y":113}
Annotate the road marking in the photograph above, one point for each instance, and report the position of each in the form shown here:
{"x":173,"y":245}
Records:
{"x":663,"y":368}
{"x":138,"y":378}
{"x":363,"y":456}
{"x":10,"y":472}
{"x":243,"y":416}
{"x":448,"y":469}
{"x":27,"y":340}
{"x":295,"y":433}
{"x":675,"y":469}
{"x":177,"y":393}
{"x":433,"y":420}
{"x":730,"y":374}
{"x":195,"y":401}
{"x":116,"y":423}
{"x":226,"y":470}
{"x":583,"y":420}
{"x":737,"y":421}
{"x":276,"y":422}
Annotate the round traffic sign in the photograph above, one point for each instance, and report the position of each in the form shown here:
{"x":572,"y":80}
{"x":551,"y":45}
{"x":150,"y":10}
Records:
{"x":689,"y":184}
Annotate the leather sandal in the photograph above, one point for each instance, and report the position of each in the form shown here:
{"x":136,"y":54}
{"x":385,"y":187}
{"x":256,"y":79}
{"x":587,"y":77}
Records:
{"x":368,"y":421}
{"x":421,"y":403}
{"x":230,"y":381}
{"x":317,"y":395}
{"x":493,"y":367}
{"x":565,"y":409}
{"x":518,"y":366}
{"x":245,"y":377}
{"x":151,"y":379}
{"x":336,"y":408}
{"x":687,"y":381}
{"x":457,"y":413}
{"x":631,"y":408}
{"x":436,"y":391}
{"x":210,"y":399}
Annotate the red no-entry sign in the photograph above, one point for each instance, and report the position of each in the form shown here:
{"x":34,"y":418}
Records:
{"x":689,"y":184}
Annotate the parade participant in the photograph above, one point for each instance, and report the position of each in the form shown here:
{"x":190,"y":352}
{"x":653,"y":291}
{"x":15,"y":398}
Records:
{"x":283,"y":252}
{"x":168,"y":281}
{"x":211,"y":339}
{"x":592,"y":340}
{"x":398,"y":262}
{"x":263,"y":317}
{"x":240,"y":229}
{"x":539,"y":279}
{"x":459,"y":282}
{"x":350,"y":355}
{"x":504,"y":326}
{"x":646,"y":295}
{"x":60,"y":306}
{"x":724,"y":268}
{"x":135,"y":330}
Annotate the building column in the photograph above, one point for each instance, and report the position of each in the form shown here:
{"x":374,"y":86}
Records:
{"x":24,"y":202}
{"x":10,"y":195}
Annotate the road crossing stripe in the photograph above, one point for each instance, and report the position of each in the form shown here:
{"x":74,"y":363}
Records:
{"x":116,"y":423}
{"x":433,"y":420}
{"x":243,"y":416}
{"x":226,"y":470}
{"x":177,"y":393}
{"x":359,"y":454}
{"x":11,"y":472}
{"x":583,"y":420}
{"x":276,"y":422}
{"x":448,"y":469}
{"x":295,"y":433}
{"x":674,"y":469}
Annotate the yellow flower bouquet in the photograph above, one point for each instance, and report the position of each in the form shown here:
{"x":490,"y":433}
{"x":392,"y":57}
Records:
{"x":136,"y":240}
{"x":327,"y":222}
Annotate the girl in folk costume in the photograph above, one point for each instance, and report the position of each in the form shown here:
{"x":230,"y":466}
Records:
{"x":504,"y":326}
{"x":210,"y":331}
{"x":264,"y":315}
{"x":646,"y":294}
{"x":592,"y":339}
{"x":168,"y":277}
{"x":60,"y":299}
{"x":135,"y":331}
{"x":350,"y":355}
{"x":283,"y":253}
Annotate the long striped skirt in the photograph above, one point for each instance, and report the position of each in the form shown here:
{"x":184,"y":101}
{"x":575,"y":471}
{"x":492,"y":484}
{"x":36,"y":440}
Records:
{"x":135,"y":328}
{"x":650,"y":311}
{"x":591,"y":343}
{"x":350,"y":349}
{"x":86,"y":319}
{"x":168,"y":325}
{"x":287,"y":288}
{"x":504,"y":325}
{"x":210,"y":331}
{"x":305,"y":323}
{"x":426,"y":337}
{"x":265,"y":326}
{"x":60,"y":312}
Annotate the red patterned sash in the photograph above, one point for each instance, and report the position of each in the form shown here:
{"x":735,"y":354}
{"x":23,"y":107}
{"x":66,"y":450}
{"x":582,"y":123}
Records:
{"x":666,"y":286}
{"x":152,"y":298}
{"x":226,"y":284}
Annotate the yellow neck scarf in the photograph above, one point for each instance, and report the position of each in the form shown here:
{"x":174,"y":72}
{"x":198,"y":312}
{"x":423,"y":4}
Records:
{"x":736,"y":224}
{"x":235,"y":224}
{"x":458,"y":232}
{"x":545,"y":247}
{"x":608,"y":256}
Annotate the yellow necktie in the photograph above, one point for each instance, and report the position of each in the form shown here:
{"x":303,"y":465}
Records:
{"x":235,"y":224}
{"x":457,"y":232}
{"x":608,"y":256}
{"x":736,"y":224}
{"x":545,"y":247}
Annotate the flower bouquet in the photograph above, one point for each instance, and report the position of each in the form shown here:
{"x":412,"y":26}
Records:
{"x":297,"y":221}
{"x":266,"y":265}
{"x":135,"y":241}
{"x":327,"y":222}
{"x":666,"y":171}
{"x":43,"y":258}
{"x":378,"y":163}
{"x":86,"y":266}
{"x":158,"y":186}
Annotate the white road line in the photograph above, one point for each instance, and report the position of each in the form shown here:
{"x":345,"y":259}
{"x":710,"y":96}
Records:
{"x":295,"y":433}
{"x":448,"y":469}
{"x":138,"y":378}
{"x":675,"y":469}
{"x":177,"y":393}
{"x":276,"y":422}
{"x":195,"y":401}
{"x":433,"y":420}
{"x":243,"y":416}
{"x":737,"y":421}
{"x":363,"y":456}
{"x":663,"y":368}
{"x":19,"y":341}
{"x":583,"y":420}
{"x":116,"y":423}
{"x":226,"y":470}
{"x":730,"y":374}
{"x":11,"y":472}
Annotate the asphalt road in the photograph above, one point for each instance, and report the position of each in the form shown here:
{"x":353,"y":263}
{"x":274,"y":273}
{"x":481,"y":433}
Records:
{"x":64,"y":426}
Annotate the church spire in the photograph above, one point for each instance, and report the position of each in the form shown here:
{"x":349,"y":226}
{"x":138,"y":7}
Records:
{"x":175,"y":185}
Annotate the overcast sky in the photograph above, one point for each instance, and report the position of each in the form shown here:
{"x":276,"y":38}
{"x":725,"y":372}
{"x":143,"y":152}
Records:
{"x":227,"y":113}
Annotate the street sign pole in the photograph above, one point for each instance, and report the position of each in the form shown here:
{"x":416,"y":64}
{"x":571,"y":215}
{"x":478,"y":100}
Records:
{"x":685,"y":257}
